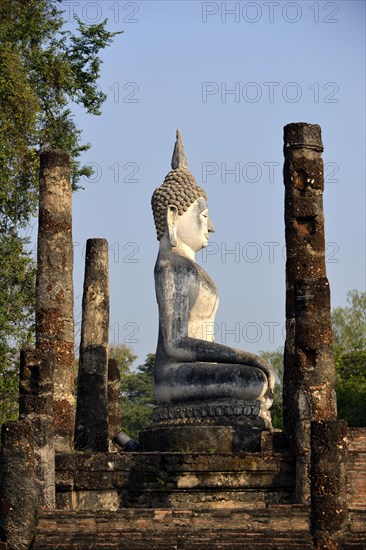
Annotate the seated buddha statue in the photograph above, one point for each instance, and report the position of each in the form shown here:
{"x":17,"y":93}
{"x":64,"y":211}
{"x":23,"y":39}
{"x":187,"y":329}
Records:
{"x":192,"y":370}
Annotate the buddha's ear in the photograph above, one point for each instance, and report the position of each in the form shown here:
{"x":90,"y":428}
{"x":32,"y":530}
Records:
{"x":171,"y":219}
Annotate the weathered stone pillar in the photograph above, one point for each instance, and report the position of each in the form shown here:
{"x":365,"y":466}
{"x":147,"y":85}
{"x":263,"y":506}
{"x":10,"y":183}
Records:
{"x":114,"y":401}
{"x":54,"y":288}
{"x":36,"y":404}
{"x":18,"y":492}
{"x":329,"y":512}
{"x":91,"y":424}
{"x":309,"y":374}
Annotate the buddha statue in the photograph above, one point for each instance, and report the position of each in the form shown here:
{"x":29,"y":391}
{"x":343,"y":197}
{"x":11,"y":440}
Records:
{"x":197,"y":381}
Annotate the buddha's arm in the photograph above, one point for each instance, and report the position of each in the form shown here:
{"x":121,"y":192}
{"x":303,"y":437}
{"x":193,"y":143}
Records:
{"x":171,"y":289}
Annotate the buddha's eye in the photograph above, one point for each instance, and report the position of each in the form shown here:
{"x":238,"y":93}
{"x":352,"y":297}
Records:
{"x":205,"y":214}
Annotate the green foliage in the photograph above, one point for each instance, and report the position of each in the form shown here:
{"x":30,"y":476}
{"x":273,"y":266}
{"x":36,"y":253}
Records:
{"x":349,"y":324}
{"x":43,"y":70}
{"x":275,"y":358}
{"x":9,"y":384}
{"x":349,"y":334}
{"x":137,"y":393}
{"x":351,"y":387}
{"x":17,"y":276}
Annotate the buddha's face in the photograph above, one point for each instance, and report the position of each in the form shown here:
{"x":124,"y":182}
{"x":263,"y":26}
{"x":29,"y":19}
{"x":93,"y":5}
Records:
{"x":194,"y":226}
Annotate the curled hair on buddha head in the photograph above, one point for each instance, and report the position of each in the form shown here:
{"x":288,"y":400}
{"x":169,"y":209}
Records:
{"x":178,"y":189}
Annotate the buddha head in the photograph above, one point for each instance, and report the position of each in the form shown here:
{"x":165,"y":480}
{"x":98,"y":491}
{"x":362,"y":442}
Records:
{"x":180,"y":206}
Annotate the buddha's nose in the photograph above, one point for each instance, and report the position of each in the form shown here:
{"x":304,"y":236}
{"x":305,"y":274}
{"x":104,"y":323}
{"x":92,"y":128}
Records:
{"x":211,"y":226}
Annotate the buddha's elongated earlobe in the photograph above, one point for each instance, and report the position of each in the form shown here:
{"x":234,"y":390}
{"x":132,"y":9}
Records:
{"x":171,"y":219}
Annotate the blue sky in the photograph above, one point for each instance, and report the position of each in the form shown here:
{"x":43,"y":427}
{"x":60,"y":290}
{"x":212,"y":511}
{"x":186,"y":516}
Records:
{"x":230,"y":75}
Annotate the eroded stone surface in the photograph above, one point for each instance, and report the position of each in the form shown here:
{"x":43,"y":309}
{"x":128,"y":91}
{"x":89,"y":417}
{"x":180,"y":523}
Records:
{"x":176,"y":479}
{"x":309,"y":375}
{"x":54,"y":288}
{"x":329,"y":507}
{"x":91,"y":422}
{"x":114,"y":402}
{"x":18,"y":491}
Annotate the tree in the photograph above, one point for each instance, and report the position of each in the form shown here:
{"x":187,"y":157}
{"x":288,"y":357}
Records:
{"x":349,"y":324}
{"x":349,"y":334}
{"x":137,"y":391}
{"x":17,"y":277}
{"x":351,"y":387}
{"x":43,"y":70}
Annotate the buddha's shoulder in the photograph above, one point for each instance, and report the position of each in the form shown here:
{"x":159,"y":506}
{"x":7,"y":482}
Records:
{"x":170,"y":262}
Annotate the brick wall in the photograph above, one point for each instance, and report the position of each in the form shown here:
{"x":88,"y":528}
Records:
{"x":278,"y":527}
{"x":357,"y":467}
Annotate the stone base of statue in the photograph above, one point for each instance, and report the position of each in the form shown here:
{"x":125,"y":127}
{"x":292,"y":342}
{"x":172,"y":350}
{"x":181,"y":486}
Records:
{"x":214,"y":426}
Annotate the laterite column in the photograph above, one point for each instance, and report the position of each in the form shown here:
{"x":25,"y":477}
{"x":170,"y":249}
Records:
{"x":54,"y":288}
{"x":309,"y":374}
{"x":91,"y":423}
{"x":310,"y":413}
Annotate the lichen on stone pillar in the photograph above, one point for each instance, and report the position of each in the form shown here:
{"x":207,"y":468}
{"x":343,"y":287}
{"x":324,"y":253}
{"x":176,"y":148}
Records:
{"x":54,"y":288}
{"x":18,"y":485}
{"x":309,"y":373}
{"x":36,"y":405}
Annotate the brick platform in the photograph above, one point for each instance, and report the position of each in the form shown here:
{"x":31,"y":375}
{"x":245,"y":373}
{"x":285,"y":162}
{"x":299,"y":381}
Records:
{"x":232,"y":502}
{"x":109,"y":481}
